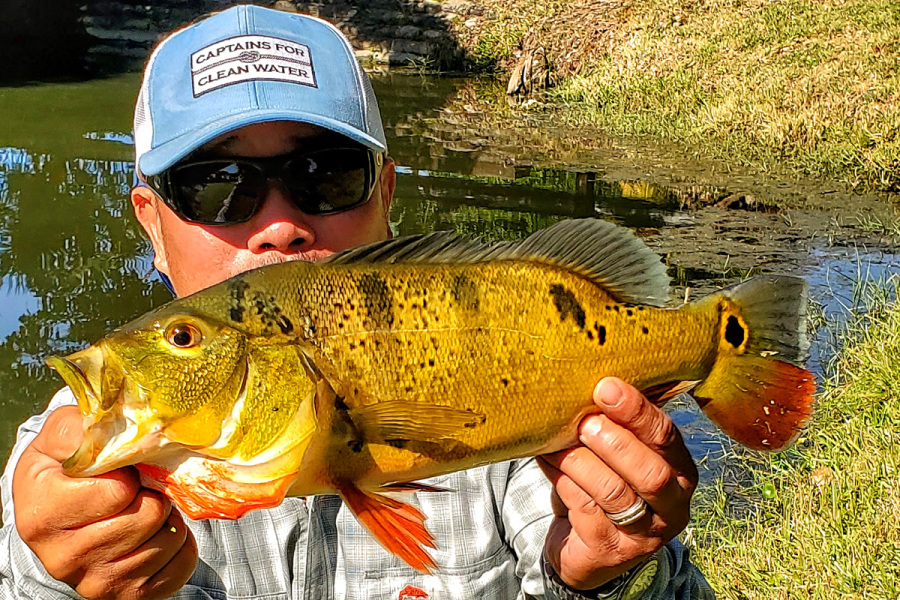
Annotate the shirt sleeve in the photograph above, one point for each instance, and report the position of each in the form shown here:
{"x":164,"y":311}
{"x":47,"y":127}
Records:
{"x":22,"y":576}
{"x":526,"y":517}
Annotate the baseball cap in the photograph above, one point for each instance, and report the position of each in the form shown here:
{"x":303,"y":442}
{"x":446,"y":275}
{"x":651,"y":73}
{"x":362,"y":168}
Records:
{"x":247,"y":65}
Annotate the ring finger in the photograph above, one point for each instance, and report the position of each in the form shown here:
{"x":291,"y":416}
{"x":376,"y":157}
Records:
{"x":154,"y":554}
{"x":585,"y":481}
{"x":642,"y":469}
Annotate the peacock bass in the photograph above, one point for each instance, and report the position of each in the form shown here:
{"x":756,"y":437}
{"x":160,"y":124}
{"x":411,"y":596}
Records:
{"x":419,"y":356}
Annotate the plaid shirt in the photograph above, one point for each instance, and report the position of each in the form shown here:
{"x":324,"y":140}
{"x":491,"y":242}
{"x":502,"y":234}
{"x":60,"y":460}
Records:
{"x":489,"y":533}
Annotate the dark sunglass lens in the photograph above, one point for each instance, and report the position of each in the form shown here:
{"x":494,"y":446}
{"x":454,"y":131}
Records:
{"x":330,"y":180}
{"x":218,"y":191}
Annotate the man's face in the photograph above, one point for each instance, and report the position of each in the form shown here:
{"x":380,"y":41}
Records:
{"x":198,"y":256}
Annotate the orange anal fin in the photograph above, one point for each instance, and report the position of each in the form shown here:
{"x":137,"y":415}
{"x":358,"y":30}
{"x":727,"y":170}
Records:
{"x":397,"y":526}
{"x":662,"y":393}
{"x":208,"y":494}
{"x":761,"y":403}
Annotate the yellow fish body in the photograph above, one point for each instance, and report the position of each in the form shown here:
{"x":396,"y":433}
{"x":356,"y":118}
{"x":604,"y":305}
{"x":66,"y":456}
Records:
{"x":417,"y":357}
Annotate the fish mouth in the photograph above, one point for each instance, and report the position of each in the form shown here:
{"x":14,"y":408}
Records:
{"x":99,"y":388}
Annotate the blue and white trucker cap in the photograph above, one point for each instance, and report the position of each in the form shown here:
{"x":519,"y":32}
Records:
{"x":246,"y":65}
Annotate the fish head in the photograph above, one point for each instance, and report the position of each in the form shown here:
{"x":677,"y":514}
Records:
{"x":167,"y":380}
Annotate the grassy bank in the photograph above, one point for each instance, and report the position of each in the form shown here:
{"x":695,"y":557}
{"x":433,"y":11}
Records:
{"x":811,"y":86}
{"x":822,"y":520}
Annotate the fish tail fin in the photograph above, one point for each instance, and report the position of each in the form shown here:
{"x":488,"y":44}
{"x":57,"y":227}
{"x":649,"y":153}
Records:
{"x":398,"y":526}
{"x":758,"y":391}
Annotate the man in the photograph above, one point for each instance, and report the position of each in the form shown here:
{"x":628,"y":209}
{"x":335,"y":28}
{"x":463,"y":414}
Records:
{"x":258,"y":140}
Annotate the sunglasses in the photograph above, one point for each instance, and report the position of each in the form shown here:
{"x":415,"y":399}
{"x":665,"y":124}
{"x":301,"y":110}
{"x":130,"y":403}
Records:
{"x":227,"y":191}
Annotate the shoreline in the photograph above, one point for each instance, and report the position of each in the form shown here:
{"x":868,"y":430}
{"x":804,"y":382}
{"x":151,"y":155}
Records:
{"x":819,"y":521}
{"x":809,"y":87}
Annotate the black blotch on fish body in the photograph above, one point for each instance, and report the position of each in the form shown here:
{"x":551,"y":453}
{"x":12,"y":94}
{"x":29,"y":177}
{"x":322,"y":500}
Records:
{"x":645,"y":330}
{"x":566,"y":304}
{"x":270,"y":314}
{"x":601,"y":333}
{"x":237,"y":287}
{"x":377,"y":301}
{"x":464,"y":292}
{"x":734,"y":333}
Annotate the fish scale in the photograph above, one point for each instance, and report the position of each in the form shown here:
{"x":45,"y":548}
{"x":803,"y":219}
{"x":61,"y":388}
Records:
{"x":420,"y":356}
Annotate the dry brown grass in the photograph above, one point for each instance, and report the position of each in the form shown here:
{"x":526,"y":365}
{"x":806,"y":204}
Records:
{"x":813,"y":86}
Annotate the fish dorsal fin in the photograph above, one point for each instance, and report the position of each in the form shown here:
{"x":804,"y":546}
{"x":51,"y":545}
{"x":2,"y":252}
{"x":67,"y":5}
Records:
{"x":607,"y":254}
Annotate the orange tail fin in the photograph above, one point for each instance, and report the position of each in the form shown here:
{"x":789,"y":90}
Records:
{"x":398,"y":526}
{"x":758,"y":391}
{"x":760,"y":403}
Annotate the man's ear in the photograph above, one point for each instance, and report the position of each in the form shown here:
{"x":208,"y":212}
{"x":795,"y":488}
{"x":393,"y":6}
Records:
{"x":144,"y":201}
{"x":388,"y":182}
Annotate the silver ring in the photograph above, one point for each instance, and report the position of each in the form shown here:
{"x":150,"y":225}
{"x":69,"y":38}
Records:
{"x":630,"y":514}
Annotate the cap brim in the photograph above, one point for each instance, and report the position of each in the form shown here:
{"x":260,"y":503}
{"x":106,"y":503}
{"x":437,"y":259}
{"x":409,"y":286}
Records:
{"x":159,"y":159}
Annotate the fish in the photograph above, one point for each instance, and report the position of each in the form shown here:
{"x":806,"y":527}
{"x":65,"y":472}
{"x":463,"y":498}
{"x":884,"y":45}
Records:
{"x":377,"y":367}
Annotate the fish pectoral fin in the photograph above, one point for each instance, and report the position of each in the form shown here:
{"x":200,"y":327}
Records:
{"x":208,"y":489}
{"x":397,"y":526}
{"x":662,"y":393}
{"x":397,"y":420}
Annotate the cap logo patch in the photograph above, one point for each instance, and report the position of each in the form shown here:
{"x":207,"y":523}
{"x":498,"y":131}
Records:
{"x":250,"y":58}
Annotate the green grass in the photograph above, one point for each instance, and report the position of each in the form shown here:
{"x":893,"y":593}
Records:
{"x":809,"y":87}
{"x":821,"y":520}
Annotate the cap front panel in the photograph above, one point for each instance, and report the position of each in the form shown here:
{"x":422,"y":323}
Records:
{"x":250,"y":58}
{"x":250,"y":64}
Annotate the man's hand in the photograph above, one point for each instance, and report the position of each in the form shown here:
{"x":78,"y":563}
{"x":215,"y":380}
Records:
{"x":631,"y":450}
{"x":107,"y":537}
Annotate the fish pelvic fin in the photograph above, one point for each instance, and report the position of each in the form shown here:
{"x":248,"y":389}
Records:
{"x":758,"y":390}
{"x":398,"y":526}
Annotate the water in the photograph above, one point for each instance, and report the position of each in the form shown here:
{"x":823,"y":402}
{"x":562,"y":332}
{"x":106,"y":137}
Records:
{"x":74,"y":263}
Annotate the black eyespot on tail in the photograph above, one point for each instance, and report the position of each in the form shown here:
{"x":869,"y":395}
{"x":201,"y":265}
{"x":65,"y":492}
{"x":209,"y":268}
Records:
{"x":734,"y":332}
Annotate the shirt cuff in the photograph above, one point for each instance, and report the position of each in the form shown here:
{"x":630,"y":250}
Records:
{"x":645,"y":576}
{"x":23,"y":576}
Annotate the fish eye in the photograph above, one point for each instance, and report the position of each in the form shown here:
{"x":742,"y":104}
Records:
{"x":183,"y":335}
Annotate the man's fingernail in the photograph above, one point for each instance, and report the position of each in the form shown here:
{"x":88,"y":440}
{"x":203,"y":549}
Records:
{"x":610,"y":392}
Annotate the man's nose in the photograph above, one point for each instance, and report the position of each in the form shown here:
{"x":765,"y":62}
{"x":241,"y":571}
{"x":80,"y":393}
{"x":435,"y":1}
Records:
{"x":279,"y":225}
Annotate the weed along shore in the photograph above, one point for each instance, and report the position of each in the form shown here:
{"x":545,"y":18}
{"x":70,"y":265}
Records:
{"x":819,"y":521}
{"x":807,"y":87}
